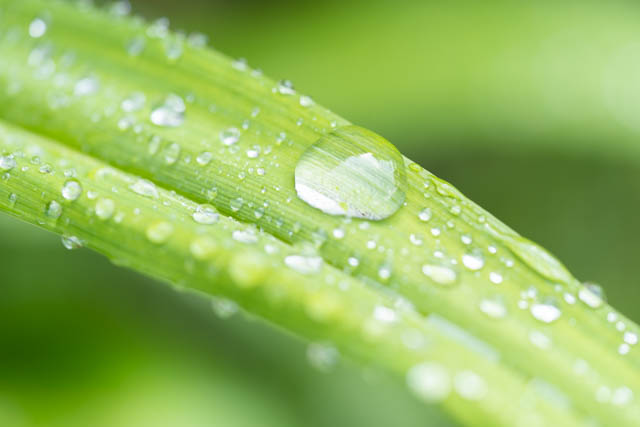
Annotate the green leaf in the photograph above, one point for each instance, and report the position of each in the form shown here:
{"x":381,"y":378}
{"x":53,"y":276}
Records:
{"x":178,"y":162}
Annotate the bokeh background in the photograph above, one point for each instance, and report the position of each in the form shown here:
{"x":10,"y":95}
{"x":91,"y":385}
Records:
{"x":532,"y":109}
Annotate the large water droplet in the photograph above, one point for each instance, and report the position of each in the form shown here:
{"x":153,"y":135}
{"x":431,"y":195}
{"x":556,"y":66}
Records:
{"x":144,"y":188}
{"x":352,"y":172}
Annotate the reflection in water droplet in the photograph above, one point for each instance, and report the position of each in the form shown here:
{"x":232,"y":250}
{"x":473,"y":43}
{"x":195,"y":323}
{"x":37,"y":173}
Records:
{"x":352,"y":172}
{"x":592,"y":295}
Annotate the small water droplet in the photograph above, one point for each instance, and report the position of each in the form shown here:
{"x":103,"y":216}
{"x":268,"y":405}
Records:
{"x":473,"y":260}
{"x":306,"y":101}
{"x":170,"y":113}
{"x":493,"y":307}
{"x":495,"y":277}
{"x":144,"y":188}
{"x":37,"y":28}
{"x":86,"y":86}
{"x":425,"y":215}
{"x":429,"y":381}
{"x":159,"y":232}
{"x":7,"y":163}
{"x":105,"y":208}
{"x":322,"y":356}
{"x":204,"y":158}
{"x":71,"y":189}
{"x":440,"y":274}
{"x":470,"y":385}
{"x":630,"y":338}
{"x":546,"y":311}
{"x":71,"y":242}
{"x":285,"y":87}
{"x":53,"y":210}
{"x":171,"y":153}
{"x":592,"y":295}
{"x":134,"y":102}
{"x":230,"y":136}
{"x":247,"y":236}
{"x":352,"y":172}
{"x":236,"y":204}
{"x":384,"y":314}
{"x":205,"y":214}
{"x":224,"y":308}
{"x":304,"y":264}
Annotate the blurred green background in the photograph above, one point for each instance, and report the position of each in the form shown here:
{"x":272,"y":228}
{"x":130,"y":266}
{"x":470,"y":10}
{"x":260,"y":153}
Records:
{"x":530,"y":108}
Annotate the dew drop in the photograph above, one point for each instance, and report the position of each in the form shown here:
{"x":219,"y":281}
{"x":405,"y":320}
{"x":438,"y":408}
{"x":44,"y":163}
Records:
{"x":159,"y":232}
{"x":224,"y":308}
{"x":470,"y":385}
{"x":170,"y":113}
{"x":236,"y":204}
{"x":592,"y":295}
{"x":440,"y":274}
{"x":473,"y":260}
{"x":546,"y":311}
{"x":205,"y":214}
{"x":86,"y":86}
{"x":322,"y":356}
{"x":306,"y":101}
{"x":105,"y":208}
{"x":425,"y":215}
{"x":304,"y":264}
{"x":144,"y":187}
{"x":37,"y":28}
{"x":134,"y":102}
{"x":204,"y":158}
{"x":53,"y":210}
{"x":7,"y":163}
{"x":247,"y":236}
{"x":71,"y":242}
{"x":429,"y":381}
{"x":230,"y":136}
{"x":352,"y":172}
{"x":493,"y":307}
{"x":71,"y":189}
{"x":171,"y":153}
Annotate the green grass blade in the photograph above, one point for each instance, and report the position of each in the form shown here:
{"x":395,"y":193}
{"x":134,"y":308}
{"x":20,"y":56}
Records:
{"x":487,"y":326}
